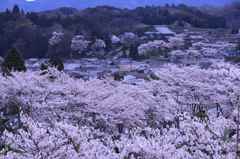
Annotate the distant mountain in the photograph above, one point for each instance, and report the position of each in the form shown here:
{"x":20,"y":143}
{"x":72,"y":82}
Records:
{"x":37,"y":5}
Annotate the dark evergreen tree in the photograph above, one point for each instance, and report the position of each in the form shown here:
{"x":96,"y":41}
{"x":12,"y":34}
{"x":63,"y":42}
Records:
{"x":13,"y":62}
{"x":238,"y":47}
{"x":56,"y":62}
{"x":44,"y":66}
{"x":53,"y":62}
{"x":16,"y":10}
{"x":133,"y":51}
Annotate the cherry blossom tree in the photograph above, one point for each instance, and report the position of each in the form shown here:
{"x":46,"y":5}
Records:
{"x":115,"y":39}
{"x":128,"y":39}
{"x":157,"y":47}
{"x":72,"y":118}
{"x":99,"y":44}
{"x":79,"y":44}
{"x":56,"y":38}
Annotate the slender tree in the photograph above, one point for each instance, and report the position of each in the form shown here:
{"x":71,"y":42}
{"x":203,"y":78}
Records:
{"x":16,"y":10}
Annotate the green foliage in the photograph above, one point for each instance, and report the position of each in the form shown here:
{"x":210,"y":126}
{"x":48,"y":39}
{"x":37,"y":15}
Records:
{"x":238,"y":47}
{"x":53,"y":62}
{"x":234,"y":59}
{"x":30,"y":32}
{"x":13,"y":62}
{"x":118,"y":76}
{"x":202,"y":115}
{"x":168,"y":15}
{"x":57,"y":62}
{"x":43,"y":66}
{"x":133,"y":51}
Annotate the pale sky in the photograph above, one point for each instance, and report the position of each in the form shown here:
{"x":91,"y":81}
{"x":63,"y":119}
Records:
{"x":51,"y":4}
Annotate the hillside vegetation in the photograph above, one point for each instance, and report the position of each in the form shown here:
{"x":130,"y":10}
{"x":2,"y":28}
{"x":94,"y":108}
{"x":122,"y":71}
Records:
{"x":29,"y":32}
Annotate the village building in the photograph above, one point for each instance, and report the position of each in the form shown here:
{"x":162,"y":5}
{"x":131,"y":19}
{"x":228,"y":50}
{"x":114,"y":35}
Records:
{"x":160,"y":32}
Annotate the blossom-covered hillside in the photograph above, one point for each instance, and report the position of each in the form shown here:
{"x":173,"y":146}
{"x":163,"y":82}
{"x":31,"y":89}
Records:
{"x":188,"y":113}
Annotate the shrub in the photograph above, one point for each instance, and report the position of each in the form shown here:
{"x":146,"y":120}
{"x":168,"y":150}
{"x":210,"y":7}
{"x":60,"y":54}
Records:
{"x":53,"y":62}
{"x":13,"y":62}
{"x":238,"y":47}
{"x":118,"y":76}
{"x":235,"y":59}
{"x":57,"y":62}
{"x":10,"y":115}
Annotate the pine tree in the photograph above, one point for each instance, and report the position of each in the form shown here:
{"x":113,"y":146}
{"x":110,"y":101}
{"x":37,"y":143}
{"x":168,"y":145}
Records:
{"x":13,"y":62}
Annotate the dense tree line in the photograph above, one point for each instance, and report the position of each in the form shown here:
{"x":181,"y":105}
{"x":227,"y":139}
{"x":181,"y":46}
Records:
{"x":232,"y":14}
{"x":30,"y":32}
{"x":181,"y":13}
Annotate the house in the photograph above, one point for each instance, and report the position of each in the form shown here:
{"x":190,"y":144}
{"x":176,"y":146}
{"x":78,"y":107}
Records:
{"x":160,"y":32}
{"x":164,"y":30}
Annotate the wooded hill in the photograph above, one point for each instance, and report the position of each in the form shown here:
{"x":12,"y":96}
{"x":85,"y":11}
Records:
{"x":29,"y":32}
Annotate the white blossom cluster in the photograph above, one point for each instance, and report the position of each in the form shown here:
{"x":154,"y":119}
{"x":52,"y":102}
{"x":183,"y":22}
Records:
{"x":99,"y":44}
{"x":192,"y":139}
{"x":176,"y":42}
{"x":115,"y":39}
{"x":217,"y":49}
{"x":56,"y":38}
{"x":128,"y":38}
{"x":159,"y":47}
{"x":106,"y":119}
{"x":200,"y":50}
{"x":156,"y":47}
{"x":79,"y":43}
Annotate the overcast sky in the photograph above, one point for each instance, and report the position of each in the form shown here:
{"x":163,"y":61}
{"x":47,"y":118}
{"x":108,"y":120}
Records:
{"x":51,"y":4}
